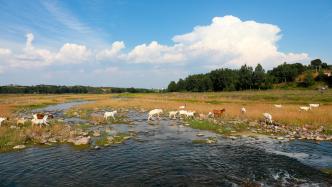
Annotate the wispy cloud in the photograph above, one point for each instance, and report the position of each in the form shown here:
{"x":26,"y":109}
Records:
{"x":66,"y":17}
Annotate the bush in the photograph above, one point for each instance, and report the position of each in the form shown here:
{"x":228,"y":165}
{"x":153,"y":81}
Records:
{"x":308,"y":80}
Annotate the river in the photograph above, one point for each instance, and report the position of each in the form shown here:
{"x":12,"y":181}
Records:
{"x":163,"y":154}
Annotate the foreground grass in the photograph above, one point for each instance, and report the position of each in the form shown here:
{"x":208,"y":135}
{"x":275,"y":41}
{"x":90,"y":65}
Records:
{"x":106,"y":140}
{"x":28,"y":135}
{"x":226,"y":128}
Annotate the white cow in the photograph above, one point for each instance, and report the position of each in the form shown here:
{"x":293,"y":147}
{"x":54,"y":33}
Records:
{"x":278,"y":106}
{"x":267,"y":117}
{"x":20,"y":121}
{"x":40,"y":122}
{"x":243,"y":110}
{"x":1,"y":120}
{"x":183,"y":106}
{"x":305,"y":108}
{"x":191,"y":114}
{"x":34,"y":116}
{"x":313,"y":105}
{"x":183,"y":112}
{"x":155,"y":112}
{"x":210,"y":115}
{"x":172,"y":114}
{"x":110,"y":114}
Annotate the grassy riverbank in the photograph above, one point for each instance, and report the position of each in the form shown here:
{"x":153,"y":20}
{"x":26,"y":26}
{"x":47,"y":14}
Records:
{"x":256,"y":102}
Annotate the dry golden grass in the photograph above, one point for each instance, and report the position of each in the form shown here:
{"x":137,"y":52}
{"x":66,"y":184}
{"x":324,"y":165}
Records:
{"x":9,"y":103}
{"x":256,"y":102}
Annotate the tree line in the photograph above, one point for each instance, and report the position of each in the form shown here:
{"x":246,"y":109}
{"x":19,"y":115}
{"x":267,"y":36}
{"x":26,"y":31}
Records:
{"x":247,"y":78}
{"x":53,"y":89}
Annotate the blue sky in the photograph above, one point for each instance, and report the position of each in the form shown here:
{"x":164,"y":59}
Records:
{"x":149,"y":43}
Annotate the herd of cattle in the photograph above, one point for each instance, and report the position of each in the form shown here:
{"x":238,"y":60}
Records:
{"x":217,"y":113}
{"x":41,"y":119}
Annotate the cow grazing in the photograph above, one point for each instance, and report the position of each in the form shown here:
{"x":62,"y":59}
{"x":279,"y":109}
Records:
{"x":41,"y":116}
{"x":243,"y":110}
{"x":203,"y":116}
{"x":267,"y":117}
{"x":38,"y":116}
{"x":21,"y":121}
{"x":183,"y":113}
{"x":40,"y":122}
{"x":110,"y":114}
{"x":278,"y":106}
{"x":313,"y":105}
{"x":218,"y":113}
{"x":172,"y":114}
{"x":154,"y":112}
{"x":2,"y":119}
{"x":210,"y":114}
{"x":191,"y":114}
{"x":305,"y":108}
{"x":183,"y":106}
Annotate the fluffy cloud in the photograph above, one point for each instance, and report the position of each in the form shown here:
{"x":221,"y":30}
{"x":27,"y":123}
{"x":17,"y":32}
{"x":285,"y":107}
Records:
{"x":4,"y":52}
{"x":72,"y":53}
{"x":32,"y":57}
{"x":227,"y":41}
{"x":155,"y":53}
{"x":112,"y":53}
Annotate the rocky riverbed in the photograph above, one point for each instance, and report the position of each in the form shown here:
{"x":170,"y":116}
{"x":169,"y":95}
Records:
{"x":166,"y":152}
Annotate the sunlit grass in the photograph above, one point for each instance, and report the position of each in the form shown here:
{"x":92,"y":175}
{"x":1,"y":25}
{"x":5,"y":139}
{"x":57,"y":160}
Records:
{"x":256,"y":102}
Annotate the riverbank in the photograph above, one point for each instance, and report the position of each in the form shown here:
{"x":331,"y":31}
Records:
{"x":289,"y":123}
{"x":168,"y":152}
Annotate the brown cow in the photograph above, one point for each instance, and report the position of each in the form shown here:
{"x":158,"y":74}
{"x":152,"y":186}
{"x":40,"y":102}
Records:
{"x":41,"y":115}
{"x":218,"y":113}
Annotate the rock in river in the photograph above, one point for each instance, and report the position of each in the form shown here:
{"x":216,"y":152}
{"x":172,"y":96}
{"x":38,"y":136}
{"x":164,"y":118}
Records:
{"x":80,"y":140}
{"x":19,"y":147}
{"x":199,"y":134}
{"x":96,"y":133}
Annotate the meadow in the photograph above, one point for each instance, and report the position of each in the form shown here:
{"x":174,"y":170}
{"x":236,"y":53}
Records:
{"x":255,"y":102}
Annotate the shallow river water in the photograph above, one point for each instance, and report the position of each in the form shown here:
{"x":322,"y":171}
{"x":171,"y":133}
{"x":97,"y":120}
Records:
{"x":162,"y":154}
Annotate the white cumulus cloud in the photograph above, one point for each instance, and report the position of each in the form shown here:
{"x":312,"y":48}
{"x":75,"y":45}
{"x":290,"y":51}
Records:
{"x":4,"y":52}
{"x":112,"y":53}
{"x":32,"y":57}
{"x":73,"y":53}
{"x":227,"y":41}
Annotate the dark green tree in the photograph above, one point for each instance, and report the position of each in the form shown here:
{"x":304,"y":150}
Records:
{"x":258,"y":77}
{"x":324,"y":65}
{"x":308,"y":80}
{"x":245,"y":78}
{"x":172,"y":87}
{"x":317,"y":63}
{"x":181,"y":85}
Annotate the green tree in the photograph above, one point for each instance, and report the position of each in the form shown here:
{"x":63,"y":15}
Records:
{"x":224,"y":79}
{"x":324,"y":65}
{"x":259,"y":76}
{"x":172,"y":87}
{"x":287,"y":72}
{"x":181,"y":85}
{"x":308,"y":80}
{"x":321,"y":76}
{"x":317,"y":63}
{"x":245,"y":77}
